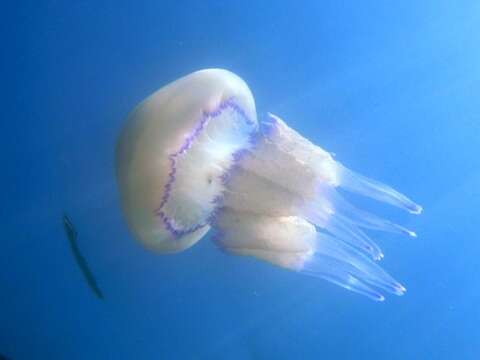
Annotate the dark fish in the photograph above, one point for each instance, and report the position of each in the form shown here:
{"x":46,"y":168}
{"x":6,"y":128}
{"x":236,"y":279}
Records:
{"x":81,"y":262}
{"x":3,"y":357}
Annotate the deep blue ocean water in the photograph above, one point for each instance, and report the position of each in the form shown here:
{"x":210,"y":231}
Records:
{"x":392,"y":88}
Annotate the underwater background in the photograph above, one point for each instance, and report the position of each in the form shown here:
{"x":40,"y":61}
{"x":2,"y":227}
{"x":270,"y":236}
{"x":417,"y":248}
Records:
{"x":392,"y":88}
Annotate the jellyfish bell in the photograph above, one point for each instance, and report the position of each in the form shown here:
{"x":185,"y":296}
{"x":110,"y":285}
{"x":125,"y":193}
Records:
{"x":193,"y":158}
{"x":160,"y":133}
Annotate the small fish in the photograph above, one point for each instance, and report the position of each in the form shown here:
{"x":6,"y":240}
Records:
{"x":81,"y":262}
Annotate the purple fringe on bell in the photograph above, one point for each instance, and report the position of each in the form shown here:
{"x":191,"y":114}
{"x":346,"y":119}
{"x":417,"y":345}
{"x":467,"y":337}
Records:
{"x":207,"y":116}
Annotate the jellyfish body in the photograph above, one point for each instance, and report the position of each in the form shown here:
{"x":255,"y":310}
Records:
{"x":193,"y":157}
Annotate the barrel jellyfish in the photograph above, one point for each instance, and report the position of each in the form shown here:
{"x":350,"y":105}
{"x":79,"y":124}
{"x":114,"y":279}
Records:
{"x":193,"y":157}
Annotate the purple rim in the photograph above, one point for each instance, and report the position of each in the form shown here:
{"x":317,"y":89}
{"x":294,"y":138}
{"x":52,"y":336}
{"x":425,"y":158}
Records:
{"x":169,"y":222}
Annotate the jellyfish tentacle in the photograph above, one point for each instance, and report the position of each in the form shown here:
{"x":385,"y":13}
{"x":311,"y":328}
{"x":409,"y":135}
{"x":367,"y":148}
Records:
{"x":357,"y":264}
{"x":286,"y":175}
{"x":354,"y":182}
{"x":353,"y":272}
{"x":350,"y":234}
{"x":293,"y":243}
{"x":342,"y":230}
{"x":373,"y":222}
{"x":367,"y":220}
{"x":332,"y":271}
{"x":349,"y":213}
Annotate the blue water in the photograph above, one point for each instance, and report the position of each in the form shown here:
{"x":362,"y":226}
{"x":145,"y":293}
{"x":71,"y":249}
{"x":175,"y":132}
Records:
{"x":391,"y":87}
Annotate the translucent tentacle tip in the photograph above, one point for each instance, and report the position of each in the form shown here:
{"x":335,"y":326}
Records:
{"x":415,"y":209}
{"x":411,"y":233}
{"x":401,"y":289}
